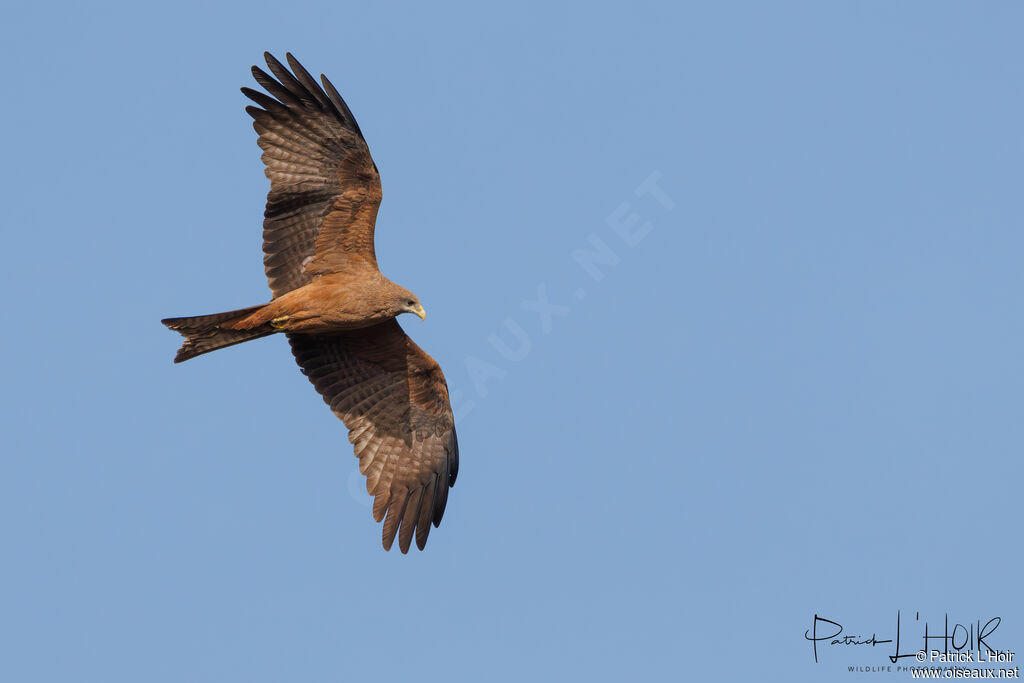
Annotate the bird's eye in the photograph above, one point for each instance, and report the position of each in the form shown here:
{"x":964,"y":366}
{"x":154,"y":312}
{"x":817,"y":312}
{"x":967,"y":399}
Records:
{"x":411,"y":303}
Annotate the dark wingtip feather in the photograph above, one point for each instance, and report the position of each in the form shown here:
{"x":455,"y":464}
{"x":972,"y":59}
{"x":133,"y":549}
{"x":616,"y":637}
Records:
{"x":426,"y":513}
{"x":268,"y":103}
{"x":421,"y":538}
{"x":275,"y":66}
{"x":410,"y":519}
{"x":391,"y":521}
{"x":269,"y":58}
{"x":340,"y":105}
{"x":254,"y":95}
{"x":308,"y":82}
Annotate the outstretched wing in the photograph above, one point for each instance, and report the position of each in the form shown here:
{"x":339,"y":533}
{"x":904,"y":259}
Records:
{"x":393,"y":398}
{"x":324,"y":186}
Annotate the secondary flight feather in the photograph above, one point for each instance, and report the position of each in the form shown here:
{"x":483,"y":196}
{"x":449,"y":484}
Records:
{"x":336,"y":307}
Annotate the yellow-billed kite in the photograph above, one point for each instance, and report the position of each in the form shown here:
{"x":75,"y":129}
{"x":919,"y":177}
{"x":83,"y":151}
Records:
{"x":335,"y":306}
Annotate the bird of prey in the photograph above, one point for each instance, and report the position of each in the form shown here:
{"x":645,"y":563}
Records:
{"x":336,"y":307}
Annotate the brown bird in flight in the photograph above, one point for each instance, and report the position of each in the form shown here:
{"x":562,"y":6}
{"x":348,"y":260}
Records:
{"x":335,"y":306}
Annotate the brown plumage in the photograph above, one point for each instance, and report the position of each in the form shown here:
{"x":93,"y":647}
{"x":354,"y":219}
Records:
{"x":336,"y":307}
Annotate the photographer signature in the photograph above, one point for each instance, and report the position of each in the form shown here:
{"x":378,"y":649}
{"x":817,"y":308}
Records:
{"x":962,"y":637}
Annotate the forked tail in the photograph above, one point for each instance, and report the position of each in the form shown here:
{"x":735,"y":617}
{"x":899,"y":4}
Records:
{"x":203,"y":333}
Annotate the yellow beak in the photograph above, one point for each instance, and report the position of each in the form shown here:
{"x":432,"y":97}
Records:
{"x":418,"y":310}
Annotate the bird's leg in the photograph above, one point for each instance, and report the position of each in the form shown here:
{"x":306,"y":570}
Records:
{"x":279,"y":322}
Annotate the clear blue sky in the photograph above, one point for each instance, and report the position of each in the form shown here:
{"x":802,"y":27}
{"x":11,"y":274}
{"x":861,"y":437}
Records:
{"x":794,"y":385}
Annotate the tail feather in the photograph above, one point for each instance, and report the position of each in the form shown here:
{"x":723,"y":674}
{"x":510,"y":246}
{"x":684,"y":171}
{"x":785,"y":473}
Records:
{"x":203,"y":333}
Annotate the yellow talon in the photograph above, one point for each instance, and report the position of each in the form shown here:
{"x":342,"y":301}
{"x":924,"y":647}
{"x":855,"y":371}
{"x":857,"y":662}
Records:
{"x":278,"y":322}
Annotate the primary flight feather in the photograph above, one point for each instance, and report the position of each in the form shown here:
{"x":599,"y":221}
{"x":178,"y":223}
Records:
{"x":336,"y":307}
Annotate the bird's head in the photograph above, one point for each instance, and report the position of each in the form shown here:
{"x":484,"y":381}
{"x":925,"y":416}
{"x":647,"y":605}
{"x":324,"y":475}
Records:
{"x":404,"y":301}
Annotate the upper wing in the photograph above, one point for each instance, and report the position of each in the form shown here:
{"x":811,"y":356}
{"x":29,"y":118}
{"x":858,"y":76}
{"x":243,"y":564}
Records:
{"x":324,"y":186}
{"x":393,"y":398}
